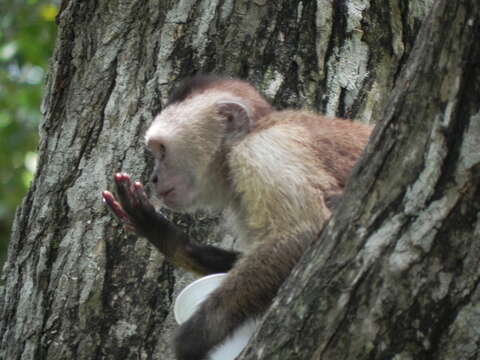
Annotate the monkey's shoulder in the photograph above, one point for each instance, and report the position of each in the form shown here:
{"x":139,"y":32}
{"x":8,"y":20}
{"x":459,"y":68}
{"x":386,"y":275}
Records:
{"x":332,"y":140}
{"x":279,"y":177}
{"x":300,"y":144}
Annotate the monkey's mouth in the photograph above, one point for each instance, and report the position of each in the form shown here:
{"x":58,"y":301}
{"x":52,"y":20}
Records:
{"x":164,"y":194}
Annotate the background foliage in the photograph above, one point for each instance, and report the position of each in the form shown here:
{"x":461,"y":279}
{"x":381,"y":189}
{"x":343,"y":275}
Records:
{"x":27,"y":32}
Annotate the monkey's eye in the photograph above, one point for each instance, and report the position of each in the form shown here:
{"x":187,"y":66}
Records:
{"x":157,"y":148}
{"x":162,"y":150}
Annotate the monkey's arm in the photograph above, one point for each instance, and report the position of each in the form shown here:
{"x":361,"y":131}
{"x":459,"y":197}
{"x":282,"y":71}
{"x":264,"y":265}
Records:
{"x":137,"y":214}
{"x":247,"y":292}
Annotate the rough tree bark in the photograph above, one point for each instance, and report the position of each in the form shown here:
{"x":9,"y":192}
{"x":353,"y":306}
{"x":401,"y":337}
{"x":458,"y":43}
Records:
{"x":395,"y":274}
{"x":75,"y":286}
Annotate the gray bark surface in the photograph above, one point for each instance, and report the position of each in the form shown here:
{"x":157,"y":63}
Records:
{"x":75,"y":285}
{"x":395,"y":274}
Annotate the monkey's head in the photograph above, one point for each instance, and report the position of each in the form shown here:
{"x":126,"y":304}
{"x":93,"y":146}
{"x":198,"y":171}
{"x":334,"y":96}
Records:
{"x":190,"y":140}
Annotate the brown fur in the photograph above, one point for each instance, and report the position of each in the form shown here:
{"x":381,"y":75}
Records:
{"x":280,"y":176}
{"x":273,"y":174}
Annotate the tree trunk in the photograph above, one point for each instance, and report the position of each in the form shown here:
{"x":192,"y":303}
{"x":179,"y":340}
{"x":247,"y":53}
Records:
{"x":76,"y":286}
{"x":395,"y":274}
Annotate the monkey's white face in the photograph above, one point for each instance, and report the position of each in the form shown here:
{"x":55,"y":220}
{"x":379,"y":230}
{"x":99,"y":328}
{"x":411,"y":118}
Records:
{"x":186,"y":140}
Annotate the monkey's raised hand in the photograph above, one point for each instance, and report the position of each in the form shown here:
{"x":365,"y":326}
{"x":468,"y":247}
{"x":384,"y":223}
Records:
{"x":133,"y":209}
{"x":127,"y":198}
{"x":137,"y":214}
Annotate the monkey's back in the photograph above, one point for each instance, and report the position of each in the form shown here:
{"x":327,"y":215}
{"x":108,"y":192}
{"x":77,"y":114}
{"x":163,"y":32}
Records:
{"x":285,"y":170}
{"x":337,"y":143}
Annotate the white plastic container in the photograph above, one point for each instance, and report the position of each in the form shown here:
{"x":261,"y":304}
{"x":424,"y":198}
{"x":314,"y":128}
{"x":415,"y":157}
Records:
{"x":187,"y":303}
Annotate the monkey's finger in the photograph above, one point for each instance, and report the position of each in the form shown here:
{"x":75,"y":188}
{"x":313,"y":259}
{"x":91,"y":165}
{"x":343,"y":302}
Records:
{"x":141,"y":196}
{"x":124,"y":192}
{"x":134,"y":196}
{"x":122,"y":182}
{"x":115,"y":207}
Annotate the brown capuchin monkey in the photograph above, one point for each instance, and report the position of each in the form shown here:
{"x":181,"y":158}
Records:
{"x":220,"y":146}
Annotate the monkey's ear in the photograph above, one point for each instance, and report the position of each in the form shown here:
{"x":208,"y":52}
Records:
{"x":237,"y":117}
